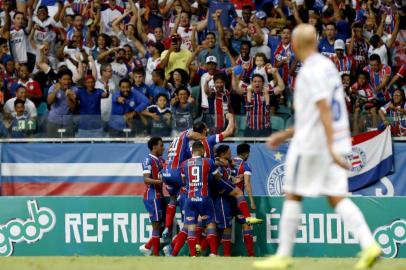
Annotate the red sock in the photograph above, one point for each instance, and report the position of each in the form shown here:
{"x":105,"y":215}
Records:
{"x":198,"y":232}
{"x":148,"y":245}
{"x":226,"y":247}
{"x":192,"y":245}
{"x":204,"y":243}
{"x":170,"y":214}
{"x":249,"y":244}
{"x":212,"y":239}
{"x":181,"y":238}
{"x":243,"y":206}
{"x":155,"y":245}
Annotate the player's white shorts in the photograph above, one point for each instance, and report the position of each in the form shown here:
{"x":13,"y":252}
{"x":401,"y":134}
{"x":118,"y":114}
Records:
{"x":313,"y":175}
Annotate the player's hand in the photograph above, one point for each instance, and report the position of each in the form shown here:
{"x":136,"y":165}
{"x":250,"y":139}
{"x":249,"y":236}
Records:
{"x":276,"y":139}
{"x":253,"y":206}
{"x":340,"y":160}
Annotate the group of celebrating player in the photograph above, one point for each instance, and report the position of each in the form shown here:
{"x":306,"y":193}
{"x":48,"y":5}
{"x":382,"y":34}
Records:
{"x":208,"y":186}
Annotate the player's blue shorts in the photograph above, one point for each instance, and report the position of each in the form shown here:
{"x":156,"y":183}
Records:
{"x":182,"y":203}
{"x":225,"y":208}
{"x":155,"y":208}
{"x":173,"y":180}
{"x":202,"y":207}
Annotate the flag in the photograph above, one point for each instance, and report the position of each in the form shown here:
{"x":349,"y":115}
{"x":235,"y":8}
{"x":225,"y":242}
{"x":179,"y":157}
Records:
{"x":371,"y":158}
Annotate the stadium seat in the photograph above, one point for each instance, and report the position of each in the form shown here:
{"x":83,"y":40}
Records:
{"x":277,"y":123}
{"x":289,"y":122}
{"x":284,"y":112}
{"x":241,"y":124}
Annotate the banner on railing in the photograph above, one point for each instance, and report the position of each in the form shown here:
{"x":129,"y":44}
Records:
{"x":117,"y":226}
{"x":115,"y":169}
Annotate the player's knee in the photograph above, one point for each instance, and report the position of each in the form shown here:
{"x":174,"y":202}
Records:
{"x":293,"y":197}
{"x":334,"y":200}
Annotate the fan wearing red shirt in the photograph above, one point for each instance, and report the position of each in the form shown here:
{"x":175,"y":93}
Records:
{"x":378,"y":77}
{"x":344,"y":63}
{"x":34,"y":92}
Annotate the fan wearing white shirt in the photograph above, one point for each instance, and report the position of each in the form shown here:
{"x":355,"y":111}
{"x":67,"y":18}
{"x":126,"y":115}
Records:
{"x":315,"y":163}
{"x":29,"y":106}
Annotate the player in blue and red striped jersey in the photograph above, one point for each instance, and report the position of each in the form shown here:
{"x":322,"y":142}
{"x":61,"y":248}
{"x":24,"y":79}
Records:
{"x":226,"y":207}
{"x":153,"y":196}
{"x":197,"y":173}
{"x":177,"y":153}
{"x":241,"y":167}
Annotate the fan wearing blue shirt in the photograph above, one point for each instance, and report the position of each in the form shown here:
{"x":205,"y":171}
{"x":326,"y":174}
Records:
{"x":89,"y":99}
{"x":139,"y":83}
{"x":326,"y":45}
{"x":126,"y":105}
{"x":158,"y":87}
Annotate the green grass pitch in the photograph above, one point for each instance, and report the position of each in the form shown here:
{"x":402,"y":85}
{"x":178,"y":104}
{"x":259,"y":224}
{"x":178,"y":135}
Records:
{"x":180,"y":263}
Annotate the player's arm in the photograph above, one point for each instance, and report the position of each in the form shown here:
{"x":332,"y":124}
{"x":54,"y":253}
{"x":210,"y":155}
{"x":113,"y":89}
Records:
{"x":325,"y":117}
{"x":7,"y":24}
{"x":278,"y":138}
{"x":194,"y":136}
{"x":150,"y":181}
{"x":248,"y":188}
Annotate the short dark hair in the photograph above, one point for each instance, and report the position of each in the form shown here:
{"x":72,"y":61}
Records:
{"x":375,"y":57}
{"x":374,"y":40}
{"x":331,"y":23}
{"x":153,"y":141}
{"x":199,"y":127}
{"x":222,"y":149}
{"x":357,"y":25}
{"x":64,"y":72}
{"x":259,"y":76}
{"x":363,"y":73}
{"x":43,"y":7}
{"x":246,"y":42}
{"x":197,"y":145}
{"x":125,"y":80}
{"x":161,"y":95}
{"x":16,"y":13}
{"x":211,"y":33}
{"x":160,"y":72}
{"x":220,"y":76}
{"x":18,"y":101}
{"x":243,"y":148}
{"x":138,"y":70}
{"x":246,"y":7}
{"x":3,"y":41}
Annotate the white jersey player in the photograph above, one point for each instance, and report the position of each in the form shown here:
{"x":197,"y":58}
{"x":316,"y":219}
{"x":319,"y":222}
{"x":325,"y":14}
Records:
{"x":315,"y":163}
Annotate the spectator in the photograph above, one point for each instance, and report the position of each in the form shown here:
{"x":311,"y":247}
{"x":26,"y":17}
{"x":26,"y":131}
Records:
{"x":178,"y":78}
{"x":120,"y":70}
{"x":61,"y":113}
{"x":127,"y":105}
{"x":29,"y":107}
{"x":34,"y":92}
{"x":139,"y":84}
{"x":175,"y":57}
{"x":160,"y":117}
{"x":357,"y":46}
{"x":326,"y":45}
{"x":378,"y":77}
{"x":182,"y":107}
{"x":21,"y":124}
{"x":106,"y":83}
{"x":154,"y":59}
{"x":89,"y":99}
{"x":344,"y":63}
{"x":396,"y":109}
{"x":159,"y":85}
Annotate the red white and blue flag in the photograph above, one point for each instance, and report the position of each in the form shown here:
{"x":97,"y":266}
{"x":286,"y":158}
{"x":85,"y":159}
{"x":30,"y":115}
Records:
{"x":371,"y":158}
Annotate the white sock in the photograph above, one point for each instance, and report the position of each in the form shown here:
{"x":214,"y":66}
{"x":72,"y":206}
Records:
{"x":355,"y":222}
{"x":288,"y":226}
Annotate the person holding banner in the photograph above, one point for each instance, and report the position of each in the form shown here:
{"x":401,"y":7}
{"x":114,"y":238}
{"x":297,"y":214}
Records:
{"x":315,"y":163}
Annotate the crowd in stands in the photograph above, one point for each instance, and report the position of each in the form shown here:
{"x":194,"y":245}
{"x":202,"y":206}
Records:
{"x":117,"y":68}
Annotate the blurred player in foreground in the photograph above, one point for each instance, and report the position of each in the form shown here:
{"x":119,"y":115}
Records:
{"x":315,"y":163}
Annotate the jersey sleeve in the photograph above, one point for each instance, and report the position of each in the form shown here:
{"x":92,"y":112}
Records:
{"x":247,"y":169}
{"x":213,"y":168}
{"x":146,"y":166}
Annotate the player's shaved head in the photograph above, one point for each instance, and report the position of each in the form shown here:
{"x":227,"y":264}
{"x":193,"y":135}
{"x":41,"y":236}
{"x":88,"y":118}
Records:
{"x":304,"y":40}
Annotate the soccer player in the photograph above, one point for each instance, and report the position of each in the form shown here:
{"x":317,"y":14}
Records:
{"x":315,"y":164}
{"x":197,"y":173}
{"x":153,"y":196}
{"x":177,"y":153}
{"x":226,"y":206}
